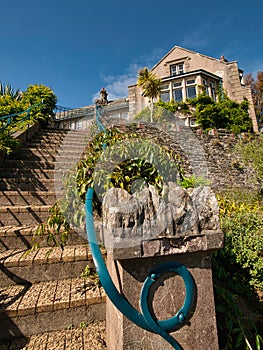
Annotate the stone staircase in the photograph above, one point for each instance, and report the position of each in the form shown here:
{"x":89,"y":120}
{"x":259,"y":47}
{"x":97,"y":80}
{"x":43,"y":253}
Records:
{"x":41,"y":290}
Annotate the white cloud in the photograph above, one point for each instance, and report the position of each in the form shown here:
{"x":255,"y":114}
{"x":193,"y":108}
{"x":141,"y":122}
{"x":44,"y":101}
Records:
{"x":117,"y":86}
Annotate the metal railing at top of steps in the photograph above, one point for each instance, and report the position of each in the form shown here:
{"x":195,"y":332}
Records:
{"x":75,"y":118}
{"x":65,"y":113}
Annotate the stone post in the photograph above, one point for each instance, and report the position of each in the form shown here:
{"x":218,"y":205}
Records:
{"x":144,"y":230}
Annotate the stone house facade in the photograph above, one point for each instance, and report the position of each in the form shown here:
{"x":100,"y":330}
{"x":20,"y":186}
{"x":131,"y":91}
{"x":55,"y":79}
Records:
{"x":185,"y":73}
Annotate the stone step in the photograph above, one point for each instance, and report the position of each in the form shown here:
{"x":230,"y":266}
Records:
{"x":49,"y":143}
{"x":82,"y":337}
{"x":22,"y":237}
{"x":48,"y":156}
{"x":43,"y":264}
{"x":30,"y":184}
{"x":74,"y":145}
{"x":34,"y":154}
{"x":48,"y":306}
{"x":23,"y":215}
{"x":28,"y":164}
{"x":26,"y":173}
{"x":26,"y":198}
{"x":49,"y":137}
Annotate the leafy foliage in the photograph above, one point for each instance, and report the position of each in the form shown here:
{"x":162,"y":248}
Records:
{"x":225,"y":113}
{"x":150,"y":85}
{"x":35,"y":94}
{"x":55,"y":231}
{"x":7,"y":90}
{"x":237,"y":269}
{"x":232,"y":333}
{"x":118,"y":169}
{"x":13,"y":102}
{"x":7,"y":142}
{"x":252,"y":154}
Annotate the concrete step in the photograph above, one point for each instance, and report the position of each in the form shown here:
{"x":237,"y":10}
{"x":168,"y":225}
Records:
{"x":29,"y":184}
{"x":26,"y":198}
{"x":43,"y":264}
{"x":48,"y":306}
{"x":23,"y":215}
{"x":82,"y":337}
{"x":22,"y":237}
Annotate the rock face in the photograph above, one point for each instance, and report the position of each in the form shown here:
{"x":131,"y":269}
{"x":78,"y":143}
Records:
{"x":129,"y":220}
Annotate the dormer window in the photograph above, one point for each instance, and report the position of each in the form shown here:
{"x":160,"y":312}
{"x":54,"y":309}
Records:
{"x":177,"y":69}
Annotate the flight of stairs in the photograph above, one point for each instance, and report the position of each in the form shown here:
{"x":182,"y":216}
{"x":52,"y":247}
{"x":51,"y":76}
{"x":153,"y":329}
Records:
{"x":42,"y":290}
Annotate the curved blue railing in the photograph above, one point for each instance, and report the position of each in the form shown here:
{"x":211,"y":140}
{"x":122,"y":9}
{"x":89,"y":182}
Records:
{"x":144,"y":319}
{"x":7,"y":120}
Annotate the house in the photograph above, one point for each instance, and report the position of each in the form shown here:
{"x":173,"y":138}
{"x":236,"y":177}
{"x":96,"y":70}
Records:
{"x":185,"y":73}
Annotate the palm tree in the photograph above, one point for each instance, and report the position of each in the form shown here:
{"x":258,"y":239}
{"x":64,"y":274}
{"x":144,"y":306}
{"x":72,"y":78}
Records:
{"x":150,"y":85}
{"x":8,"y":90}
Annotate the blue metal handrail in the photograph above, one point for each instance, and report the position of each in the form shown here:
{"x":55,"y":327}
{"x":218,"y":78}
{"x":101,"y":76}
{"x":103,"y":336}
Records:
{"x":143,"y":319}
{"x":11,"y":117}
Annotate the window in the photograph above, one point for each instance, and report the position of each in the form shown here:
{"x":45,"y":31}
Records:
{"x":190,"y":82}
{"x":213,"y":91}
{"x":175,"y":85}
{"x":191,"y":92}
{"x":190,"y":88}
{"x":165,"y":93}
{"x":177,"y":69}
{"x":205,"y":83}
{"x":178,"y":95}
{"x":177,"y":91}
{"x":165,"y":96}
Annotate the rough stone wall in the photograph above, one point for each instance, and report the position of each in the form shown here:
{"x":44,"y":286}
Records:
{"x":225,"y":169}
{"x":214,"y":151}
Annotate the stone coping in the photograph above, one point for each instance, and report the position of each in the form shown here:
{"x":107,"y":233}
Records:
{"x":206,"y":241}
{"x":90,"y":337}
{"x":24,"y":300}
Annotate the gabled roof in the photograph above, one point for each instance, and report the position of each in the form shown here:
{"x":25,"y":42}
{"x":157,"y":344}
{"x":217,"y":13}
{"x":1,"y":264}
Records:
{"x":186,"y":50}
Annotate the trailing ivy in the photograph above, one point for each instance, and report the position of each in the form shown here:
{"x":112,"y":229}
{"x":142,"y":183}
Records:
{"x":209,"y":114}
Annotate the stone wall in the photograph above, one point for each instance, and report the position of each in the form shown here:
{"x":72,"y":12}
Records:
{"x":225,"y":168}
{"x":212,"y":155}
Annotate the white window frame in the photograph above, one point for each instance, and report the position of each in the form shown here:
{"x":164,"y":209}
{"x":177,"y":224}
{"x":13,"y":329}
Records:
{"x":165,"y":89}
{"x":177,"y":69}
{"x":190,"y":83}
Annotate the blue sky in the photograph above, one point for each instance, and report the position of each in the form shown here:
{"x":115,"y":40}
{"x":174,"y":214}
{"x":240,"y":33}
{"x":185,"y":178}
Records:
{"x":78,"y":47}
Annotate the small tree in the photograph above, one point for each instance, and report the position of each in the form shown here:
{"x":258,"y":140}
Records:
{"x":150,"y":85}
{"x":35,"y":94}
